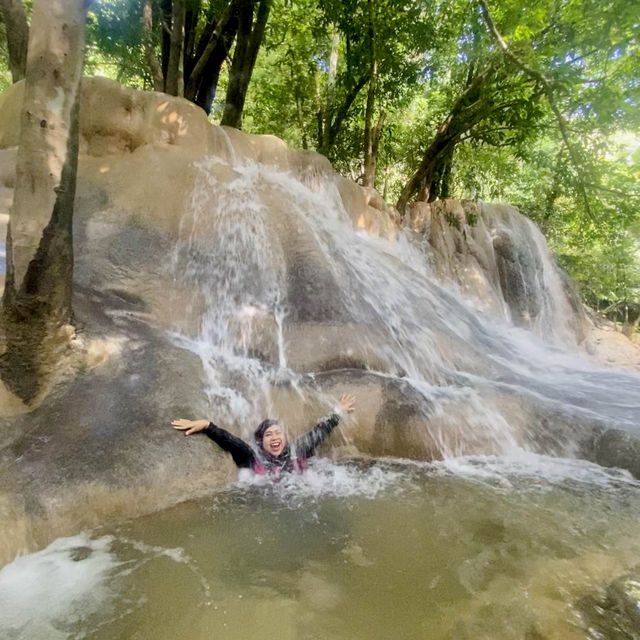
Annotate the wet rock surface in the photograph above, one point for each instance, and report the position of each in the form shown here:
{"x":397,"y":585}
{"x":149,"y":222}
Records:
{"x":615,"y":448}
{"x":614,"y":612}
{"x":149,"y":319}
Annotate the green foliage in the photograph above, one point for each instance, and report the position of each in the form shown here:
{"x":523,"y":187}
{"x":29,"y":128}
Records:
{"x":439,"y":67}
{"x":5,"y":72}
{"x":114,"y":34}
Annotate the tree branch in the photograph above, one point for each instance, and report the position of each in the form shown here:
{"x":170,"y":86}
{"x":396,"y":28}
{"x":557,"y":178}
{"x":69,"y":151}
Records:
{"x":147,"y":36}
{"x":201,"y":65}
{"x":615,"y":192}
{"x":548,"y":91}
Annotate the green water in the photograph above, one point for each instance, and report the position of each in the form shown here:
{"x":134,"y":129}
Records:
{"x":483,"y":550}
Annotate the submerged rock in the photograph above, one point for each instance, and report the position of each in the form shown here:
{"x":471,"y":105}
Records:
{"x":615,"y":448}
{"x":614,"y":612}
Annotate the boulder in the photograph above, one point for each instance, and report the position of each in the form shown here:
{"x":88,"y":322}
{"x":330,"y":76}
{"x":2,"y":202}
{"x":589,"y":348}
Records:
{"x":500,"y":260}
{"x":614,"y":610}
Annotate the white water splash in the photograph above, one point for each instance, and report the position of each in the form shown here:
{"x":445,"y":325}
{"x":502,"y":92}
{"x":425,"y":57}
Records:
{"x":49,"y":594}
{"x":541,"y":473}
{"x":42,"y":593}
{"x":325,"y":478}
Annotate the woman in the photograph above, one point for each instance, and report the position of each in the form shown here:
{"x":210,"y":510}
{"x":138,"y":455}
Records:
{"x":272,"y":454}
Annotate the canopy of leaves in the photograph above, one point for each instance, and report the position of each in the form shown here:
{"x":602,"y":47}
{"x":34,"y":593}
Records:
{"x":536,"y":104}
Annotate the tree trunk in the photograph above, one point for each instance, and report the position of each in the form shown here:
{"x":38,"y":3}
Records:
{"x":440,"y":183}
{"x":147,"y":37}
{"x":299,"y":112}
{"x":191,"y":15}
{"x":201,"y":78}
{"x":468,"y":109}
{"x":17,"y":30}
{"x":36,"y":311}
{"x":369,"y":163}
{"x":375,"y":145}
{"x":421,"y":182}
{"x":330,"y":134}
{"x":319,"y":113}
{"x":248,"y":41}
{"x":327,"y":112}
{"x":172,"y":84}
{"x":165,"y":24}
{"x":208,"y":85}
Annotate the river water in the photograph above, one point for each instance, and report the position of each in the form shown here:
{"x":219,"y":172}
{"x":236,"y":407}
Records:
{"x":481,"y":547}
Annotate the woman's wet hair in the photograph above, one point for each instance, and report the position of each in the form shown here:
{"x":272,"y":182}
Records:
{"x":258,"y":434}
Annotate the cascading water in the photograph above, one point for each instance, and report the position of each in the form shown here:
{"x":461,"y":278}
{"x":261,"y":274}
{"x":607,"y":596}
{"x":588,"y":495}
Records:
{"x":272,"y":257}
{"x":286,"y":305}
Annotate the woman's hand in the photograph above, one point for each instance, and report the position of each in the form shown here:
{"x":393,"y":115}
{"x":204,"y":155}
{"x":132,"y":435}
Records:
{"x":347,"y":403}
{"x":190,"y":426}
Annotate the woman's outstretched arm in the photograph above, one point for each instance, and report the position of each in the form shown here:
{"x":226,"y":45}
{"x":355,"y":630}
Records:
{"x":240,"y":451}
{"x":306,"y":445}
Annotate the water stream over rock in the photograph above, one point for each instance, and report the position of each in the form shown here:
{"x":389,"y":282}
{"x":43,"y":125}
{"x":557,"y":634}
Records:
{"x":292,"y":298}
{"x":233,"y":278}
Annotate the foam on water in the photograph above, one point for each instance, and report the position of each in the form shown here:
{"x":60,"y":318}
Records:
{"x":41,"y":593}
{"x":537,"y":471}
{"x":517,"y":470}
{"x":81,"y":587}
{"x":325,"y":478}
{"x":45,"y":595}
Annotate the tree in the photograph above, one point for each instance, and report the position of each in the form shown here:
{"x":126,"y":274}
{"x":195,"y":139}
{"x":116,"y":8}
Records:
{"x":248,"y":41}
{"x":180,"y":46}
{"x":36,"y":305}
{"x":496,"y":105}
{"x":470,"y":98}
{"x":376,"y":45}
{"x":17,"y":33}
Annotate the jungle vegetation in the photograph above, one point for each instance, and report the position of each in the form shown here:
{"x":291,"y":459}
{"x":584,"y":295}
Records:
{"x":536,"y":103}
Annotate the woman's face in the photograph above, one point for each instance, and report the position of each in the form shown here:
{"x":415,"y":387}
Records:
{"x":274,"y":440}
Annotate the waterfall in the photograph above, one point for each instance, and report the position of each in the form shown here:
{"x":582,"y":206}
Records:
{"x":285,"y":287}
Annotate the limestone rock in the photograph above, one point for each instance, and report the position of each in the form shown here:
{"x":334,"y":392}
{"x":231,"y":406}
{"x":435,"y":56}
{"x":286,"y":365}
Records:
{"x":500,"y":260}
{"x":614,"y":610}
{"x":163,"y":194}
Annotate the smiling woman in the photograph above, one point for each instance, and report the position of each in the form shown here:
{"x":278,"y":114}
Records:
{"x":272,"y":454}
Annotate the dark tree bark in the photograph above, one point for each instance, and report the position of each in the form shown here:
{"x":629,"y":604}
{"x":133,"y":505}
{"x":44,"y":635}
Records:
{"x":203,"y":50}
{"x":440,"y":184}
{"x":370,"y":142}
{"x":208,"y":83}
{"x":36,"y":310}
{"x":331,"y":115}
{"x":147,"y":34}
{"x":325,"y":111}
{"x":369,"y":175}
{"x":166,"y":10}
{"x":248,"y":41}
{"x":203,"y":70}
{"x":299,"y":114}
{"x":172,"y":82}
{"x":470,"y":107}
{"x":192,"y":13}
{"x":17,"y":30}
{"x":337,"y":117}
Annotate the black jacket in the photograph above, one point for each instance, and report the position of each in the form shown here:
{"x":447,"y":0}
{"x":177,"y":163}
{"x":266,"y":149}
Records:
{"x":292,"y":458}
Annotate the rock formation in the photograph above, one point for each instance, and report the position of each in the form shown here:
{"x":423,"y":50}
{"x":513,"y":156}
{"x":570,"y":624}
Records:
{"x":221,"y":274}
